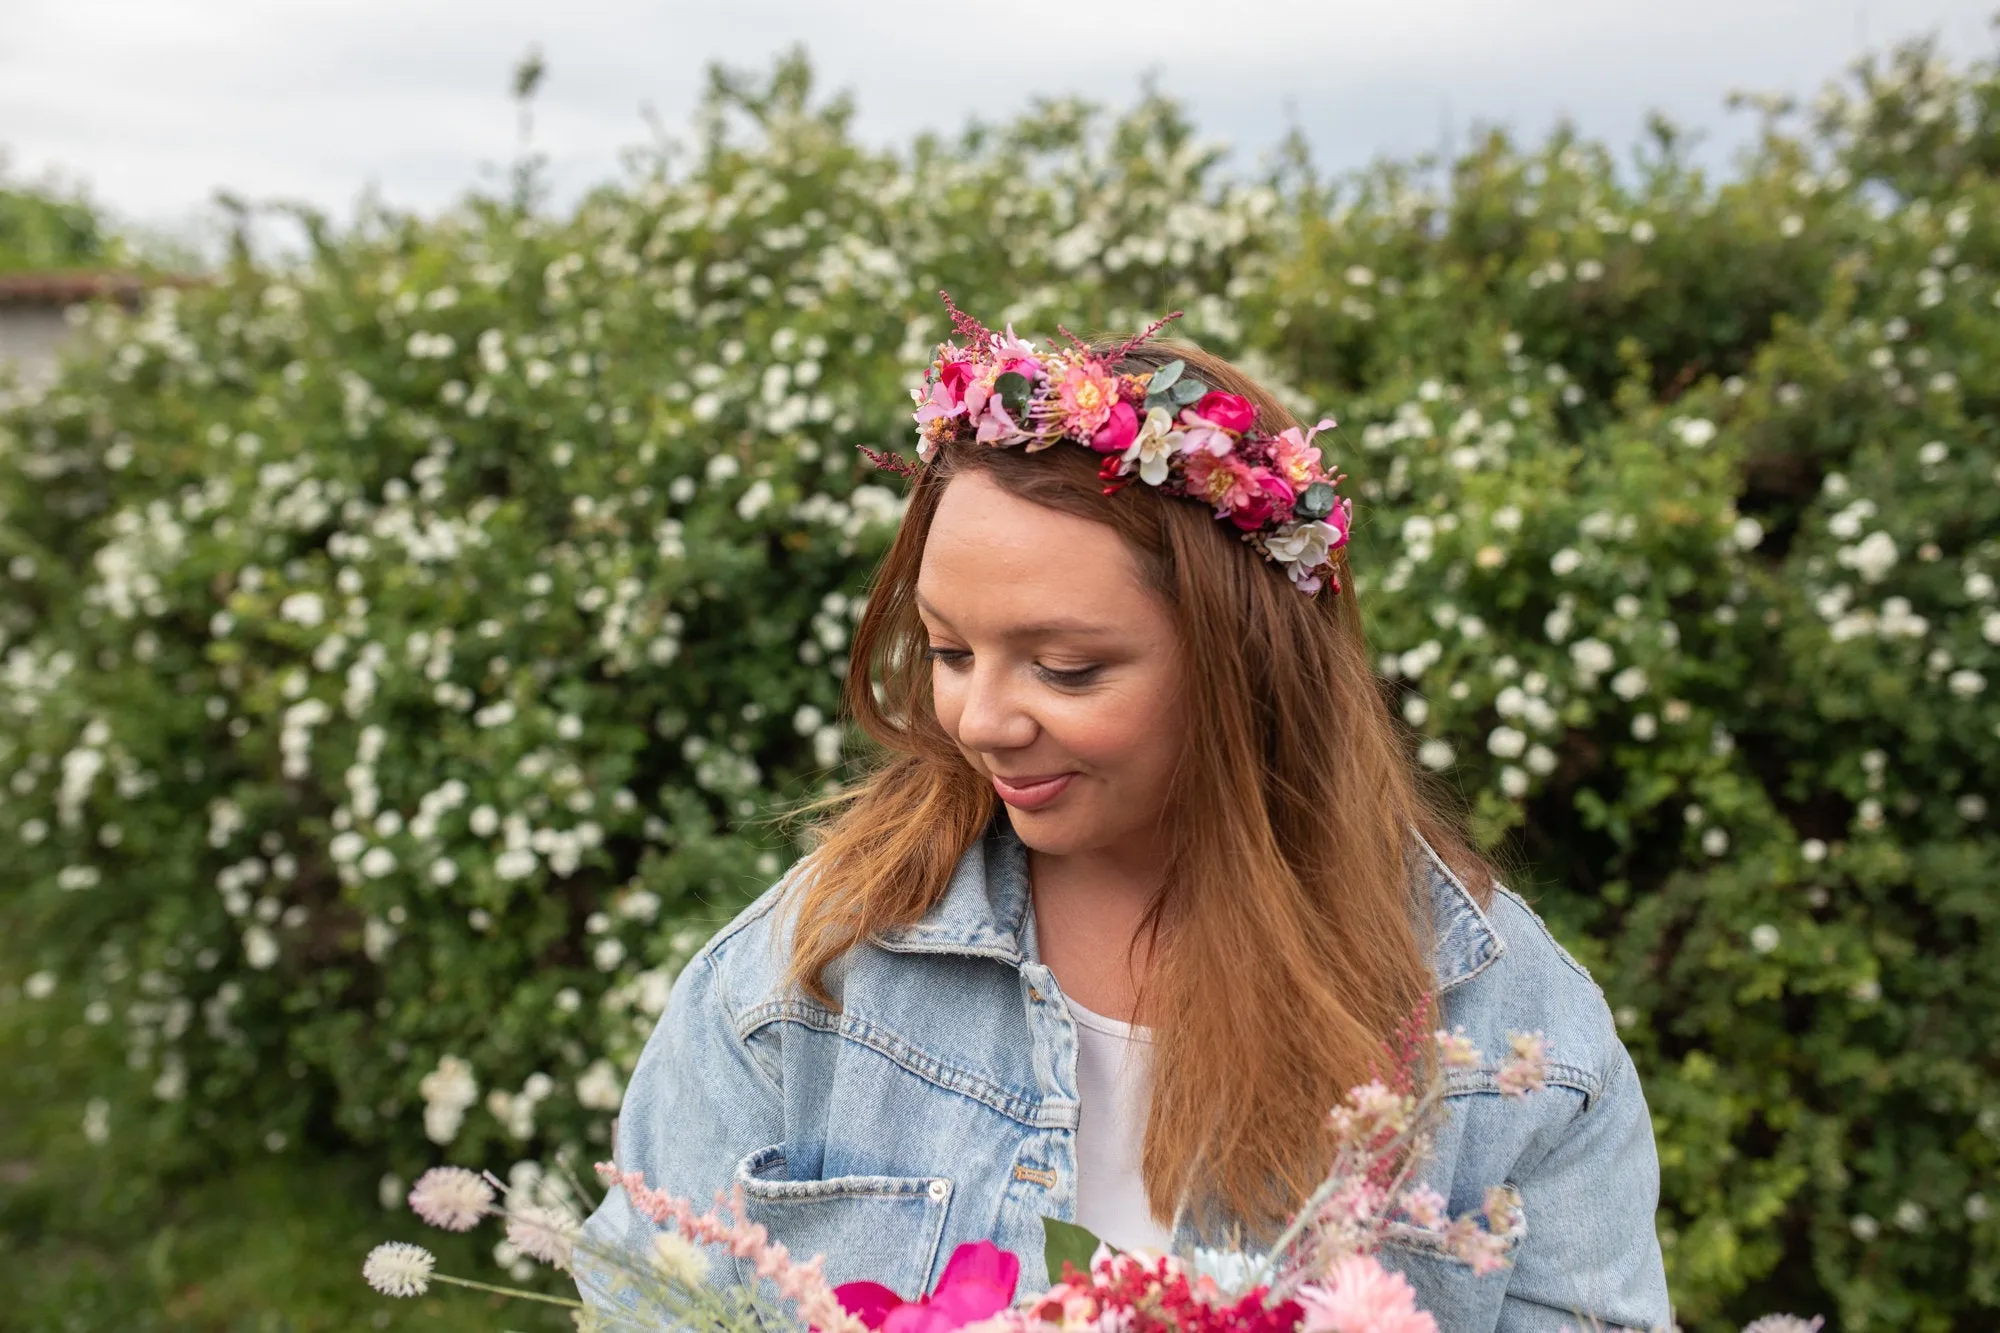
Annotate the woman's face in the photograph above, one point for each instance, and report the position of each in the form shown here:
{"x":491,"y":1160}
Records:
{"x":1054,"y":668}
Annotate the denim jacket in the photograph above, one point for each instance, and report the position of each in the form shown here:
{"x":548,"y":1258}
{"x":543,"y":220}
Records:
{"x":937,"y":1105}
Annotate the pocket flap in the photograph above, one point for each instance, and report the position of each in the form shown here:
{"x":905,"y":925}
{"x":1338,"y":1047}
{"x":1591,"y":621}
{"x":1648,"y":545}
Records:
{"x":883,"y":1229}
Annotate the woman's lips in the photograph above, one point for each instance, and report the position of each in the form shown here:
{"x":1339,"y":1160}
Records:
{"x":1031,"y":793}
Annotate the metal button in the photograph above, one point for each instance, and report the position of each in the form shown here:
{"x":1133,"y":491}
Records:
{"x":940,"y":1189}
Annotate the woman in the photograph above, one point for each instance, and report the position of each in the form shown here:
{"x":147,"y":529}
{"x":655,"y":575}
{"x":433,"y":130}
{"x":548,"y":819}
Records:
{"x":1140,"y":886}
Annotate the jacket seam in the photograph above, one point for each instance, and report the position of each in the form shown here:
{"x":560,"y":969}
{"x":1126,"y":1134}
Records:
{"x":1469,"y":903}
{"x":1485,"y":1080}
{"x":770,"y":1076}
{"x":1549,"y":935}
{"x":1032,"y":1113}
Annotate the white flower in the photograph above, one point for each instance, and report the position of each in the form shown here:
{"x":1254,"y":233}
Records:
{"x":515,"y":863}
{"x":547,"y":1234}
{"x":599,"y":1089}
{"x":1593,"y":657}
{"x":1747,"y":534}
{"x":447,"y":1091}
{"x":753,"y":500}
{"x":40,"y":985}
{"x":451,"y":1197}
{"x":1415,"y":710}
{"x":397,"y":1268}
{"x":377,"y":862}
{"x":1966,"y":682}
{"x":679,"y":1259}
{"x":484,"y":821}
{"x":1630,"y":683}
{"x":1558,"y":624}
{"x":1303,"y":548}
{"x":1813,"y":850}
{"x":1565,"y":561}
{"x":1644,"y":727}
{"x":260,"y":949}
{"x":1541,"y":760}
{"x":1693,"y":431}
{"x":1763,"y":937}
{"x":303,"y":608}
{"x":1872,"y":558}
{"x":1435,"y":754}
{"x":1513,"y":782}
{"x":1971,"y":807}
{"x":1506,"y":743}
{"x":1156,"y":443}
{"x":1715,"y":842}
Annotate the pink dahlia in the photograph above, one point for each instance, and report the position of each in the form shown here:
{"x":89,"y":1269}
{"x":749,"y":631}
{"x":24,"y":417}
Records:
{"x":1085,"y":396}
{"x":1361,"y":1296}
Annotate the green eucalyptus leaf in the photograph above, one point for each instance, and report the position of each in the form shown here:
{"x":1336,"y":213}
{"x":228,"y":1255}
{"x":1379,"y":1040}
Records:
{"x":1013,"y":388}
{"x":1316,"y":502}
{"x":1066,"y":1242}
{"x":1164,"y":377}
{"x":1187,"y":390}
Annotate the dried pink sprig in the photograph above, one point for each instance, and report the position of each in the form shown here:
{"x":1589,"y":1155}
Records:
{"x":968,"y":328}
{"x":726,"y":1225}
{"x":1143,"y":337}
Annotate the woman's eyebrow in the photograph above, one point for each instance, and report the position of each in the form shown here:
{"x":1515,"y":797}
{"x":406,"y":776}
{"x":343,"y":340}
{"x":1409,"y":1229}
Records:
{"x":1043,"y":628}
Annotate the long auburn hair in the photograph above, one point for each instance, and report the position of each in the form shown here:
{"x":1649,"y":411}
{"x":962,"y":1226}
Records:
{"x":1289,"y":947}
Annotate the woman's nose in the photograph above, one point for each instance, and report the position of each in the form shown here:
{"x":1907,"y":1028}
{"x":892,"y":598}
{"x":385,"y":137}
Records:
{"x":993,"y":717}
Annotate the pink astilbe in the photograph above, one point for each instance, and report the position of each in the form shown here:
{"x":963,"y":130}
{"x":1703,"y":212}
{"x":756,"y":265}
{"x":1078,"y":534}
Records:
{"x":803,"y":1284}
{"x":1525,"y":1069}
{"x":1358,"y":1295}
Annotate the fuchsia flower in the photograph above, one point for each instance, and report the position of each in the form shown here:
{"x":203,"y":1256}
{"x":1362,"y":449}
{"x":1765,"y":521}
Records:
{"x":1270,"y":497}
{"x":954,"y":376}
{"x":978,"y":1283}
{"x":1118,"y":431}
{"x":1226,"y":411}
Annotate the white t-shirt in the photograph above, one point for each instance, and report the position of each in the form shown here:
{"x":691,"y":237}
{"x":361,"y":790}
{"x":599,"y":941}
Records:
{"x":1114,"y":1066}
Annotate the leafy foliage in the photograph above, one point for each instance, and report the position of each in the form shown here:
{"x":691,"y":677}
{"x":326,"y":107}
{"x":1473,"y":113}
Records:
{"x":404,"y":648}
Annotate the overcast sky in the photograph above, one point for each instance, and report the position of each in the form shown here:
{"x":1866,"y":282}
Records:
{"x":154,"y":104}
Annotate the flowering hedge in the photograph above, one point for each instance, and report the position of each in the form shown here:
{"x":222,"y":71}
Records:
{"x":404,"y":648}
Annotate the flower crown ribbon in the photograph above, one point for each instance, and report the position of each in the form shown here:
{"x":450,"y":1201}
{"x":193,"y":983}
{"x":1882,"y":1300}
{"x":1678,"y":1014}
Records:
{"x":1165,"y":429}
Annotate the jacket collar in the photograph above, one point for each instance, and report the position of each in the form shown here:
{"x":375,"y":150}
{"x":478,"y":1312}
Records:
{"x":985,"y":909}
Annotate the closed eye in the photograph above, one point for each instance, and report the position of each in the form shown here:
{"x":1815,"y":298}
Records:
{"x":951,"y":657}
{"x":1070,"y":679}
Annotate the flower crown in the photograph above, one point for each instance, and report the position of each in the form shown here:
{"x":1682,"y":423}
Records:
{"x":1164,"y":428}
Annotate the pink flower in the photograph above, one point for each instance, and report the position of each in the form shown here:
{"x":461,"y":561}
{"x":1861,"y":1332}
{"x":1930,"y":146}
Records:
{"x":451,"y":1197}
{"x":1266,"y":496}
{"x":1226,"y":411}
{"x":954,"y":376}
{"x":1215,"y":478}
{"x":1118,"y":431}
{"x":1084,"y":398}
{"x":978,"y":1283}
{"x":1360,"y":1296}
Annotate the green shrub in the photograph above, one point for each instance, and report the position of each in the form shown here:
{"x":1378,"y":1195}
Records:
{"x":402,"y":648}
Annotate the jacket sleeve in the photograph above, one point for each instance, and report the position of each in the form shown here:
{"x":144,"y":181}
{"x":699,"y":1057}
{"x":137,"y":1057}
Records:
{"x":698,"y":1103}
{"x":1591,"y":1252}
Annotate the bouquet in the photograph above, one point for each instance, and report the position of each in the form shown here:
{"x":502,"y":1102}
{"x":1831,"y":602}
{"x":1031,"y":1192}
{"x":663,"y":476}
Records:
{"x":1323,"y":1274}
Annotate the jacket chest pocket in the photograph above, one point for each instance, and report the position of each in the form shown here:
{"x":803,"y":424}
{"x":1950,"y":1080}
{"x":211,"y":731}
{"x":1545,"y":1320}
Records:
{"x":869,"y":1228}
